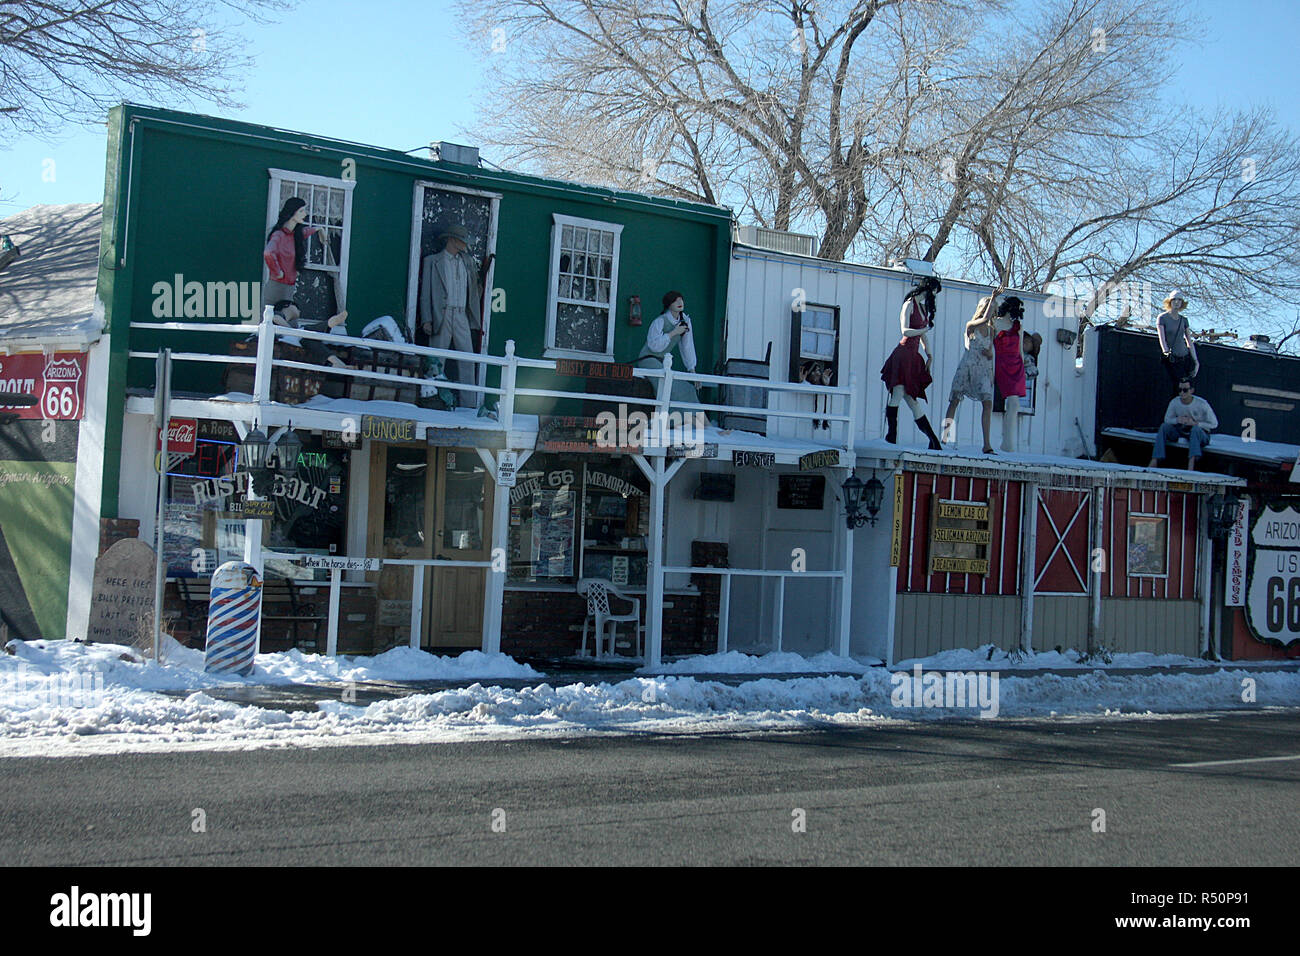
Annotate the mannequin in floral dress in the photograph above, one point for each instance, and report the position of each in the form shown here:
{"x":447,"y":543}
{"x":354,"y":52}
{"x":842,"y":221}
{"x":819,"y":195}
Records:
{"x":974,"y":377}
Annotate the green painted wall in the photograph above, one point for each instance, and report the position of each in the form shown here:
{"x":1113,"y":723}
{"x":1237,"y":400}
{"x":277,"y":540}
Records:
{"x":188,"y":194}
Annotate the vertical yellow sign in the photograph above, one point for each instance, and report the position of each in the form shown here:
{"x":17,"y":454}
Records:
{"x":896,"y":548}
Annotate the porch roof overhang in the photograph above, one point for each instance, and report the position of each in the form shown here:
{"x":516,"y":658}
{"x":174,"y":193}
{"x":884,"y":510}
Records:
{"x":1275,"y":453}
{"x":1044,"y":469}
{"x":335,"y":414}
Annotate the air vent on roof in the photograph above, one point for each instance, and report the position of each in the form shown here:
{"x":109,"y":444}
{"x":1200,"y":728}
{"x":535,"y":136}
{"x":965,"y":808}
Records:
{"x":777,"y":241}
{"x":1260,"y":343}
{"x":453,"y":153}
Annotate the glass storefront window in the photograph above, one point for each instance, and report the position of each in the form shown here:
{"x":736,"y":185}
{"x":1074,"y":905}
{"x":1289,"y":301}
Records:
{"x":204,"y":528}
{"x":543,"y":520}
{"x":616,"y":521}
{"x":575,"y":516}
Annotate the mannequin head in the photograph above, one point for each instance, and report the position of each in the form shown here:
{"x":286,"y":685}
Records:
{"x":926,"y":288}
{"x":292,"y":215}
{"x":674,"y":302}
{"x":1011,"y":308}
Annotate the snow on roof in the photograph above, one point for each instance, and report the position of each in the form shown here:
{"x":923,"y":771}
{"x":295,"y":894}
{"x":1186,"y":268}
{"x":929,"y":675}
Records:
{"x":48,"y":292}
{"x":1233,"y":446}
{"x":969,"y":460}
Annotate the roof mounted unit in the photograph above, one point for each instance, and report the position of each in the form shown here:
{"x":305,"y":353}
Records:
{"x":453,"y":153}
{"x":1260,"y":343}
{"x":794,"y":242}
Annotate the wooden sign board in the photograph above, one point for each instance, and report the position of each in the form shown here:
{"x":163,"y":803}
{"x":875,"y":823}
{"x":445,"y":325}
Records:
{"x":582,"y":368}
{"x":466,"y":437}
{"x":801,"y":492}
{"x":575,"y":434}
{"x":819,"y":459}
{"x":391,"y":430}
{"x":260,"y":508}
{"x":959,"y":537}
{"x":753,"y":459}
{"x":698,"y":450}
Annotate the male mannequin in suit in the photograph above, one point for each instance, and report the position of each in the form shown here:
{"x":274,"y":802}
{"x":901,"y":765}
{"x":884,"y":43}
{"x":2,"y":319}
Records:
{"x":451,"y":302}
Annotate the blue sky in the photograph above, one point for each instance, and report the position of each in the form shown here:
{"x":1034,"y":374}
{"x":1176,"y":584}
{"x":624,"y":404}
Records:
{"x":325,"y":69}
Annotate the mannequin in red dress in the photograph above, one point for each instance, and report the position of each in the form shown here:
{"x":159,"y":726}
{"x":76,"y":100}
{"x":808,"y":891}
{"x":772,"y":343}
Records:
{"x":906,"y":375}
{"x":1009,"y":366}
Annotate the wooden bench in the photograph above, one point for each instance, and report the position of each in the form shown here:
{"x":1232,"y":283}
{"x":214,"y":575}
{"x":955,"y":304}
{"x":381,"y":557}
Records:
{"x":283,"y":601}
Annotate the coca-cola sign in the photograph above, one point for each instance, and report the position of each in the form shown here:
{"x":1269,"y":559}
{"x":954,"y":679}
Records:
{"x":182,"y":436}
{"x":58,"y":381}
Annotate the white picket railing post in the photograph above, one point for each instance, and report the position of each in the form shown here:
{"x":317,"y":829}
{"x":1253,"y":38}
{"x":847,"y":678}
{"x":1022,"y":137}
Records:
{"x":262,"y":371}
{"x":508,"y":372}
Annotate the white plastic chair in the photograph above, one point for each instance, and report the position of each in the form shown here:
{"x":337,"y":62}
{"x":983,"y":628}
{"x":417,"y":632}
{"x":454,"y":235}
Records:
{"x":597,"y":592}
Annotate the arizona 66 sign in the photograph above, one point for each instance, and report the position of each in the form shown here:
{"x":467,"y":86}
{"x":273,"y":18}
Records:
{"x":1273,"y":596}
{"x":58,"y":381}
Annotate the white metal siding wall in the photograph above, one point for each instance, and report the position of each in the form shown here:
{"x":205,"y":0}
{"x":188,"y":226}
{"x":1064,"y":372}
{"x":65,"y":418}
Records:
{"x":762,"y":287}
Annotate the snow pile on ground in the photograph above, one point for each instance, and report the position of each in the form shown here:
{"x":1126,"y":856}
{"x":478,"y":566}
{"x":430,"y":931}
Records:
{"x":60,"y":698}
{"x":992,"y":657}
{"x":735,"y":662}
{"x":182,"y":667}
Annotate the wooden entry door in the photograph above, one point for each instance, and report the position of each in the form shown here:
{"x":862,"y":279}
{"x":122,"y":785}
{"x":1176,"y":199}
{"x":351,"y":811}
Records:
{"x":462,"y":531}
{"x":430,"y":503}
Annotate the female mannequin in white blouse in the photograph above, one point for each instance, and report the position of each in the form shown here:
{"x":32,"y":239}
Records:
{"x":671,"y":329}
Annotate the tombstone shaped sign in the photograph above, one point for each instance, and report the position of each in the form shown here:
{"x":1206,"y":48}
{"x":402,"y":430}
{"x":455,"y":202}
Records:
{"x":121,"y":611}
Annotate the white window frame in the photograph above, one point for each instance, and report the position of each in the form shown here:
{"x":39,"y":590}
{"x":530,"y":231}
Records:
{"x":340,"y":269}
{"x":552,"y":292}
{"x":833,"y":333}
{"x":414,"y":262}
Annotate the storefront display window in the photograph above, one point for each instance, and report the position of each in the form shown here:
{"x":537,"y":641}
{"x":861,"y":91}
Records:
{"x":616,"y":522}
{"x":579,"y":516}
{"x":204,"y":526}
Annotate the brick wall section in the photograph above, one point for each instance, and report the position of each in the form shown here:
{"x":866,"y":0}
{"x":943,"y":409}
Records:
{"x":355,"y":636}
{"x":549,"y":624}
{"x":113,"y":530}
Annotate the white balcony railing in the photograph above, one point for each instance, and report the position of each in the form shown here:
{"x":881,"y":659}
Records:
{"x":839,"y":410}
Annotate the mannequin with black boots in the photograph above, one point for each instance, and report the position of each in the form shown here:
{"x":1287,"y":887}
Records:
{"x":905,"y":373}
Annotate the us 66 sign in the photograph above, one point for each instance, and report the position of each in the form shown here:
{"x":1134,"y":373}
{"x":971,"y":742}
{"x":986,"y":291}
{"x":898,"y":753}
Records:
{"x":1273,"y":597}
{"x":58,"y":381}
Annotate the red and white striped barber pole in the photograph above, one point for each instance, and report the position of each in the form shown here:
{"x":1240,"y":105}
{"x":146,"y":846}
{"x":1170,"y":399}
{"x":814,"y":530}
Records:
{"x":234,"y":612}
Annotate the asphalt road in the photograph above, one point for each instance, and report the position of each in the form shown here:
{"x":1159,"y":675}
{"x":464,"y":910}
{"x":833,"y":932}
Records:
{"x":977,"y":792}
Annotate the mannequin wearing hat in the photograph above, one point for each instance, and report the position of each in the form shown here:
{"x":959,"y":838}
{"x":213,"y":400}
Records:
{"x":1177,"y":350}
{"x":906,"y":375}
{"x":451,"y":301}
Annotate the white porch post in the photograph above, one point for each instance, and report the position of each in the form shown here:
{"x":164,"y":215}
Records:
{"x":1206,"y":549}
{"x":654,"y":639}
{"x":1028,"y":557}
{"x":846,"y":592}
{"x":1098,"y":497}
{"x":494,"y":594}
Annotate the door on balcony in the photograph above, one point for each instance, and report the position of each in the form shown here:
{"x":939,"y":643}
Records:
{"x":430,"y":503}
